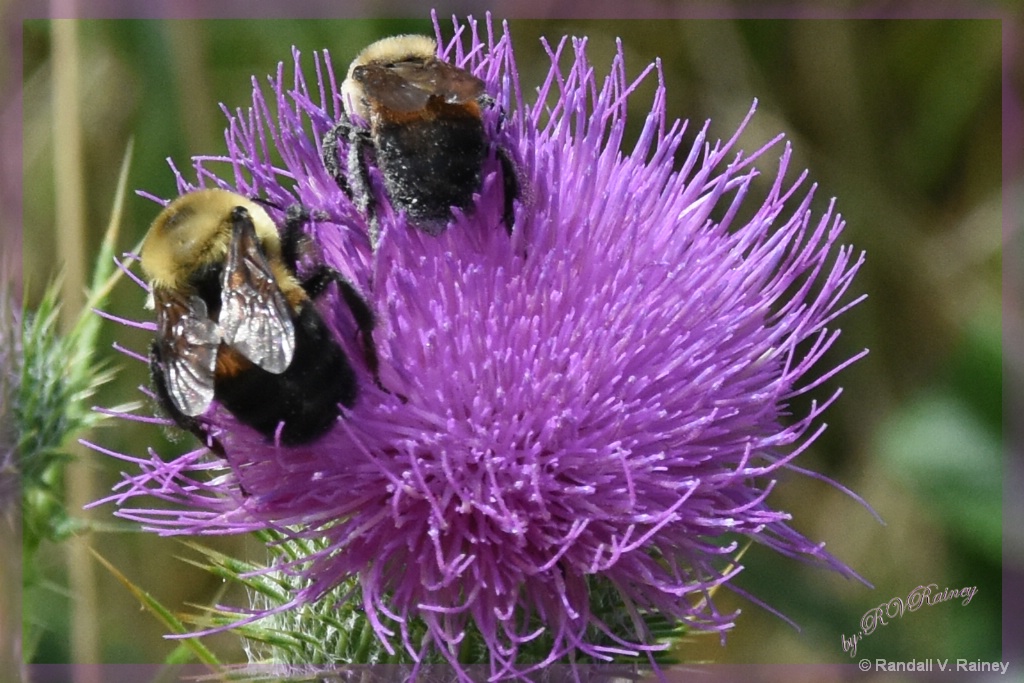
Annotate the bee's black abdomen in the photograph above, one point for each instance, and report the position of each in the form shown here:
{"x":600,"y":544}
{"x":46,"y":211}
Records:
{"x":430,"y":166}
{"x":305,"y":396}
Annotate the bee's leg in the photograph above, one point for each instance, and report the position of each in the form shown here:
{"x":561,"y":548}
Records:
{"x":510,"y":180}
{"x":294,"y":242}
{"x":315,"y":285}
{"x":329,"y":152}
{"x":354,"y":178}
{"x":359,"y":182}
{"x":365,"y":321}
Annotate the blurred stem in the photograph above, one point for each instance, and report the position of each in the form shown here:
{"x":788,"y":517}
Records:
{"x":188,"y":45}
{"x":67,"y":168}
{"x":70,"y":210}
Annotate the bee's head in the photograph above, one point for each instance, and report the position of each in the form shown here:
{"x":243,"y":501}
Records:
{"x":194,"y":232}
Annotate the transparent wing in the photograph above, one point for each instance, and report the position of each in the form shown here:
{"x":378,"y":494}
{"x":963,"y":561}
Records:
{"x":188,"y":342}
{"x":406,"y":86}
{"x":254,"y":315}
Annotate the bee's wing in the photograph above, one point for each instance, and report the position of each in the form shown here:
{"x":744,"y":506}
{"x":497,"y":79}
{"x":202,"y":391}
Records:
{"x":254,"y":315}
{"x":406,"y":86}
{"x":187,"y":342}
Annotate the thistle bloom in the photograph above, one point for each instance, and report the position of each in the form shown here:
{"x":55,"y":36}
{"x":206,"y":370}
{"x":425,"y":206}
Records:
{"x":601,"y":398}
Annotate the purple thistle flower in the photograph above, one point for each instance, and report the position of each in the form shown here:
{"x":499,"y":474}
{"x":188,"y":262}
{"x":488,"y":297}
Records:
{"x":603,"y":395}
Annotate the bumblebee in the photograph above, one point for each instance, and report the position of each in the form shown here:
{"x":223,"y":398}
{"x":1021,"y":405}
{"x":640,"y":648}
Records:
{"x":237,"y":325}
{"x":426,"y":133}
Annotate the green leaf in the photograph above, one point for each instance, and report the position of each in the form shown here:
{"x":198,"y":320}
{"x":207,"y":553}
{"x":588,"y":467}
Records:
{"x":163,"y":614}
{"x":947,"y":456}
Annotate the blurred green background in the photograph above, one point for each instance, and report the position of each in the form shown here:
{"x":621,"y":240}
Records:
{"x":900,"y":120}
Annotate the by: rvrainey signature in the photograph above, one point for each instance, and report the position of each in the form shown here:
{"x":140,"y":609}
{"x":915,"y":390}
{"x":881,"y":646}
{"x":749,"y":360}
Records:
{"x":897,"y":607}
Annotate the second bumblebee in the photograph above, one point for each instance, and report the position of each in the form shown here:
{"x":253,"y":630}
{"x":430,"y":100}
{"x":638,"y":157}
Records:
{"x":426,"y":133}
